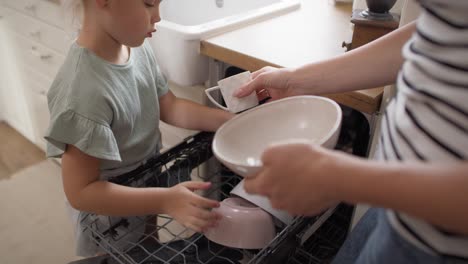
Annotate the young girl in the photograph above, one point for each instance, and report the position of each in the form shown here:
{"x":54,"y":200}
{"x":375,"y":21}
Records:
{"x":105,"y":104}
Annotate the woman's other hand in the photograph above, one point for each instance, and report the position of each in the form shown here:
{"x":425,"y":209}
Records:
{"x":299,"y":178}
{"x":190,"y":209}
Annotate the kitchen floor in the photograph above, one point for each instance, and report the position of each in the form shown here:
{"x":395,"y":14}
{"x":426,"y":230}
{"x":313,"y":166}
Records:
{"x":34,"y":225}
{"x":16,"y":152}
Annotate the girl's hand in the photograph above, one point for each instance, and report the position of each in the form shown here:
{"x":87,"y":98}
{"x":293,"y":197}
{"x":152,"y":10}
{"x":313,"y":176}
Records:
{"x":269,"y":82}
{"x":299,"y":178}
{"x":190,"y":209}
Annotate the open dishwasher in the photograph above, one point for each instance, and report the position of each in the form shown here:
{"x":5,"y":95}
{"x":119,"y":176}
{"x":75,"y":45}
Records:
{"x":304,"y":240}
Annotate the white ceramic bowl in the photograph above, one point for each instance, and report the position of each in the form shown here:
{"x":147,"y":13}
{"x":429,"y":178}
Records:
{"x":240,"y":142}
{"x":243,"y":225}
{"x":262,"y":202}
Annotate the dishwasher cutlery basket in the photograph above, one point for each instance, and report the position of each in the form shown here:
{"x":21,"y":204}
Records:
{"x":305,"y":240}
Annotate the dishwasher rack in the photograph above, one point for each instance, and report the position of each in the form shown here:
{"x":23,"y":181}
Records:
{"x":305,"y":240}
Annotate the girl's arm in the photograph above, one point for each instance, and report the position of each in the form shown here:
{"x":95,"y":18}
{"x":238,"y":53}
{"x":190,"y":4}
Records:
{"x":85,"y":192}
{"x":187,"y":114}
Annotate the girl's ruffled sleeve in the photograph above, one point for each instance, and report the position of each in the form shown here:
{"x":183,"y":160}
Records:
{"x":91,"y":137}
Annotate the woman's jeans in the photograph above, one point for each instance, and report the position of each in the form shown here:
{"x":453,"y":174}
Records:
{"x":374,"y":241}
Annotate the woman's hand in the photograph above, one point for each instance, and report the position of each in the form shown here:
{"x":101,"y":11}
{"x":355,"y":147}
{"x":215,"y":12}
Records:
{"x":190,"y":209}
{"x":269,"y":82}
{"x":299,"y":178}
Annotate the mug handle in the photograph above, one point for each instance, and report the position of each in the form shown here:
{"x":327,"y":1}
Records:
{"x":208,"y":93}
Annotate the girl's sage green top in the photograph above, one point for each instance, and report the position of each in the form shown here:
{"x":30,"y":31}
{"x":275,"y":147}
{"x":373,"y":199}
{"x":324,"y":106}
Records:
{"x":108,"y":111}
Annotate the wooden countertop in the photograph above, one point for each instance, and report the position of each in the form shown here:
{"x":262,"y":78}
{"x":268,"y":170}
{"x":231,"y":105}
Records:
{"x":313,"y":33}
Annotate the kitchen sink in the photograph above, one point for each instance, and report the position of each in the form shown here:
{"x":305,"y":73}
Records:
{"x":185,"y":22}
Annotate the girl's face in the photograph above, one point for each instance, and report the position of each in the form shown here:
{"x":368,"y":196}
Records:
{"x":131,"y":21}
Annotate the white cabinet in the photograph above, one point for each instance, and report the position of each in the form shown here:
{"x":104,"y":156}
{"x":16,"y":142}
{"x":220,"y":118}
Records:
{"x":36,"y":98}
{"x":13,"y":106}
{"x":35,"y":30}
{"x":33,"y":45}
{"x":33,"y":54}
{"x":2,"y":62}
{"x":41,"y":10}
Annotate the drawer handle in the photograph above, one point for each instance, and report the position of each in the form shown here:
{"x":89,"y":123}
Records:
{"x":45,"y":57}
{"x":36,"y":53}
{"x":31,"y":8}
{"x":35,"y":34}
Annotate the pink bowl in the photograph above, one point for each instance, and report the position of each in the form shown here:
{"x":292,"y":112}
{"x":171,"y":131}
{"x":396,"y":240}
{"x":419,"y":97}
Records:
{"x":243,"y":225}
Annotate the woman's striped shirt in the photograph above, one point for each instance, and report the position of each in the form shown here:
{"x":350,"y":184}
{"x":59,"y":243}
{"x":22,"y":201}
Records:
{"x":427,"y":121}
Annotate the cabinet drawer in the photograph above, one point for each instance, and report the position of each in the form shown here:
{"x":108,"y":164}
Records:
{"x":39,"y":114}
{"x":32,"y":76}
{"x":41,"y":9}
{"x":12,"y":95}
{"x":36,"y":96}
{"x":4,"y":13}
{"x":41,"y":32}
{"x":37,"y":56}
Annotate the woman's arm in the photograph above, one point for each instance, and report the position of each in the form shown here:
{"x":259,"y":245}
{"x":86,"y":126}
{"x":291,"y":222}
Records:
{"x":372,"y":65}
{"x":187,"y":114}
{"x":305,"y":179}
{"x":434,"y":192}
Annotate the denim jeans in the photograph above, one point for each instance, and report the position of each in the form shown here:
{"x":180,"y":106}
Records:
{"x":374,"y":240}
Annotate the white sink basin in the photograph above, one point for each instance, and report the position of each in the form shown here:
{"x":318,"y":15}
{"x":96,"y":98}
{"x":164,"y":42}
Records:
{"x":185,"y":22}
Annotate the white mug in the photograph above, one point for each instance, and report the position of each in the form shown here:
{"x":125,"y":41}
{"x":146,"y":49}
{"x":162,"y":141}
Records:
{"x":227,"y":87}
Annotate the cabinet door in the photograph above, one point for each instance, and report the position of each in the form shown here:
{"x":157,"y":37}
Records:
{"x":36,"y":86}
{"x":39,"y":114}
{"x":38,"y":31}
{"x":12,"y":101}
{"x":2,"y":63}
{"x":36,"y":55}
{"x":46,"y":11}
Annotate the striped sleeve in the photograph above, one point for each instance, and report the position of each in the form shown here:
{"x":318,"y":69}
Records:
{"x":427,"y":121}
